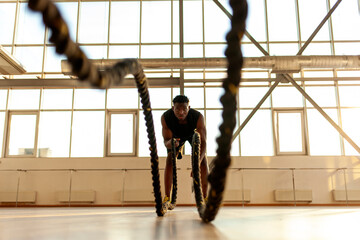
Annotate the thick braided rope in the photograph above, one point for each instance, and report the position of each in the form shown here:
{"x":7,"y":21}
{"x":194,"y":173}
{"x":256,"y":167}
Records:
{"x":195,"y":159}
{"x":86,"y":71}
{"x":217,"y":176}
{"x":174,"y":185}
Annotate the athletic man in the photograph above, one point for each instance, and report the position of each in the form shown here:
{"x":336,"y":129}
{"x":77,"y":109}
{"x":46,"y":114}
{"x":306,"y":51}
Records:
{"x":179,"y":122}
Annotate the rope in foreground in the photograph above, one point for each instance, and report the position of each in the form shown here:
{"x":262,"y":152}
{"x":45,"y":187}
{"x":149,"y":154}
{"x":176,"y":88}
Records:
{"x":221,"y":162}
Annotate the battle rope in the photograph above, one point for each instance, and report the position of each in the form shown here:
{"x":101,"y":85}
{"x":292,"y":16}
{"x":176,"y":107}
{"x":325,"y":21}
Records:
{"x":221,"y":162}
{"x":86,"y":71}
{"x":195,"y":156}
{"x":174,"y":188}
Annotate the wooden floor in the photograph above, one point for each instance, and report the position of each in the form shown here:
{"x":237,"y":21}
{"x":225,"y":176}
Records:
{"x":183,"y":223}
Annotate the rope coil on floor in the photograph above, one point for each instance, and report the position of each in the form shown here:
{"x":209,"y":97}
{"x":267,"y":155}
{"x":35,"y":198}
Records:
{"x":221,"y":162}
{"x":86,"y":71}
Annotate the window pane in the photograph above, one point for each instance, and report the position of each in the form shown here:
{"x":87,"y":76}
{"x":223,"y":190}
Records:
{"x":251,"y":96}
{"x":24,"y":99}
{"x":282,"y":20}
{"x":193,"y":21}
{"x":157,"y":51}
{"x":215,"y":50}
{"x":143,"y":139}
{"x":93,"y":26}
{"x":95,"y":52}
{"x":250,"y":50}
{"x":286,"y":97}
{"x":213,"y":97}
{"x":54,"y":134}
{"x":119,"y":52}
{"x":125,"y":22}
{"x":213,"y":121}
{"x":193,"y":51}
{"x":88,"y":134}
{"x":323,"y":96}
{"x":349,"y":96}
{"x":346,"y":16}
{"x":57,"y":99}
{"x":89,"y":99}
{"x":256,"y":137}
{"x":122,"y":98}
{"x":2,"y":122}
{"x":318,"y":49}
{"x":52,"y":60}
{"x":290,"y":132}
{"x":309,"y":24}
{"x":255,"y":22}
{"x":22,"y":134}
{"x":3,"y":98}
{"x":31,"y":28}
{"x":30,"y":57}
{"x":347,"y":48}
{"x":323,"y":138}
{"x":160,"y":97}
{"x":7,"y":15}
{"x":196,"y":97}
{"x":350,"y":123}
{"x":156,"y":21}
{"x":283,"y":49}
{"x":69,"y":13}
{"x":217,"y":24}
{"x":122,"y":133}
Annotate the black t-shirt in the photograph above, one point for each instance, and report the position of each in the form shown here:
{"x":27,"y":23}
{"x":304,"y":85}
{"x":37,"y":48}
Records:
{"x":182,"y":131}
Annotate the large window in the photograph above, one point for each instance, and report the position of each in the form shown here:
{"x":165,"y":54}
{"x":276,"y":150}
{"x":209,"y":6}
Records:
{"x":22,"y":134}
{"x":84,"y":122}
{"x":290,"y":132}
{"x":122,"y":133}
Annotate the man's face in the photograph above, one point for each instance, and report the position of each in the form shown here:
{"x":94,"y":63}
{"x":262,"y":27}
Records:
{"x":181,"y":110}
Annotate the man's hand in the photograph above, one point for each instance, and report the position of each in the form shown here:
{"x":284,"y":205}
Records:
{"x":176,"y":143}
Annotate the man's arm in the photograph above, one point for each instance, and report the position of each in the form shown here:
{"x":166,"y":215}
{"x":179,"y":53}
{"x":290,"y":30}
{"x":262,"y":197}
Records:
{"x":200,"y":127}
{"x":167,"y":134}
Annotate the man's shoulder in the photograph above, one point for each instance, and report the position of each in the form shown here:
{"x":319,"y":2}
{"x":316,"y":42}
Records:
{"x":167,"y":113}
{"x":195,"y":112}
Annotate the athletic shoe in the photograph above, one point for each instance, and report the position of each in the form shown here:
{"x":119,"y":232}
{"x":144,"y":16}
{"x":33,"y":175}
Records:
{"x":167,"y":204}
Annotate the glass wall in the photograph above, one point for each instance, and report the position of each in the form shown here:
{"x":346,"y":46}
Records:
{"x":74,"y":122}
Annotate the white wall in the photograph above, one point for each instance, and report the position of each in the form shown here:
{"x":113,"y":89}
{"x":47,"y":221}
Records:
{"x":114,"y":185}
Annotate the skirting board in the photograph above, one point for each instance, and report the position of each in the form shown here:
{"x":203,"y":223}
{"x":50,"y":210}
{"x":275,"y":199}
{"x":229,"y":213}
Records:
{"x":287,"y":195}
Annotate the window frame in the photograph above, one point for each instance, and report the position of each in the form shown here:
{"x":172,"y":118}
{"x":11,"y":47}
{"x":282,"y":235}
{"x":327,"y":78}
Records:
{"x":10,"y":113}
{"x":107,"y":146}
{"x":304,"y":141}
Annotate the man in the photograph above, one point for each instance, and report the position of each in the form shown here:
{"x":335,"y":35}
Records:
{"x":179,"y":122}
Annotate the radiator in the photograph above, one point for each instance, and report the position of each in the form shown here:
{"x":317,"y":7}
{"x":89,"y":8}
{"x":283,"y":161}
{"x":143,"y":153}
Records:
{"x":22,"y":197}
{"x":352,"y":195}
{"x":287,"y":195}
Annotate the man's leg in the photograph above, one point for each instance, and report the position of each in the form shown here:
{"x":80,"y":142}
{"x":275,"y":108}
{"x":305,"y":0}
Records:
{"x":204,"y":168}
{"x":168,"y":178}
